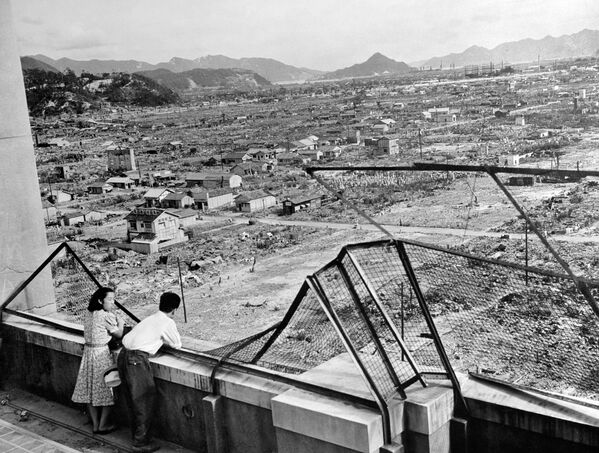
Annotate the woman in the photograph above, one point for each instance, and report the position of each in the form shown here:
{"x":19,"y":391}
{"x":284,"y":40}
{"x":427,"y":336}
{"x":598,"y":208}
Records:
{"x":100,"y":324}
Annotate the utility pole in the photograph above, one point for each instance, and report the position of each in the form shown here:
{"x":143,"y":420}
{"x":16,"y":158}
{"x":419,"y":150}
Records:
{"x":139,"y":170}
{"x":420,"y":141}
{"x":220,"y":146}
{"x":50,"y":186}
{"x":526,"y":248}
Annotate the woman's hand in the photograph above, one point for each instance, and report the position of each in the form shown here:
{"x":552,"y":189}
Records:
{"x":118,"y":333}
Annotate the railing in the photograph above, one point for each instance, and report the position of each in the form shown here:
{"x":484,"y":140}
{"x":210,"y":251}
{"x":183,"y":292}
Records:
{"x":406,"y":313}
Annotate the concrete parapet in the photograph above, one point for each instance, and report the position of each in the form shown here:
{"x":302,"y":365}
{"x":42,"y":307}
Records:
{"x":256,"y":414}
{"x":422,"y":420}
{"x":511,"y":419}
{"x":45,"y":360}
{"x":325,"y":420}
{"x":428,"y":409}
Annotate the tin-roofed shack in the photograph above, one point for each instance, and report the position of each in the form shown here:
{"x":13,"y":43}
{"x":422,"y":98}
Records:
{"x":299,"y":203}
{"x":256,"y":200}
{"x":211,"y":199}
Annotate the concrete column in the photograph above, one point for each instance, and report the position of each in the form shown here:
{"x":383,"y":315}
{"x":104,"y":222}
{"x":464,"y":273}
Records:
{"x":212,"y":406}
{"x":23,"y":245}
{"x":428,"y":412}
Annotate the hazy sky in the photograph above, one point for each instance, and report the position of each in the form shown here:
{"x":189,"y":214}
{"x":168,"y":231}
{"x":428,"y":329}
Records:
{"x":317,"y":34}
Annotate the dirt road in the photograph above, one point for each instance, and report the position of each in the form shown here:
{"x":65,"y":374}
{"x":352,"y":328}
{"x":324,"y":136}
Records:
{"x":410,"y":231}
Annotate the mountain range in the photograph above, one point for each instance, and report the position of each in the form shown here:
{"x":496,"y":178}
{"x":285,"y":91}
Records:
{"x":272,"y":70}
{"x":582,"y":44}
{"x":176,"y":73}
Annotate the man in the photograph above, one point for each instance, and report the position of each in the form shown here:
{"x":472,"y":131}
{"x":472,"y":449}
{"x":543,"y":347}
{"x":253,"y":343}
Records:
{"x":144,"y":340}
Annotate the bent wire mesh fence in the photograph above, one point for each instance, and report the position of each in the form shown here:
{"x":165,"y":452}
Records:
{"x":521,"y":325}
{"x":524,"y":326}
{"x":73,"y":285}
{"x":380,"y":263}
{"x":303,"y":340}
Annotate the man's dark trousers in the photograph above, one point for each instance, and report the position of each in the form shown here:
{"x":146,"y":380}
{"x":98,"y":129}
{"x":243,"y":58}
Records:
{"x":137,"y":384}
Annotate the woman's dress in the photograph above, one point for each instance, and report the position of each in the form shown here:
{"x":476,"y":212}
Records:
{"x":90,"y":387}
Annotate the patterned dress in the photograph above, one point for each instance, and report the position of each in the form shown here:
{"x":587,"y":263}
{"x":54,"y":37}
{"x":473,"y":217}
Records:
{"x":90,"y":387}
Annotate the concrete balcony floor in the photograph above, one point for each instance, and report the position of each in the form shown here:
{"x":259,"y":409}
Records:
{"x":50,"y":427}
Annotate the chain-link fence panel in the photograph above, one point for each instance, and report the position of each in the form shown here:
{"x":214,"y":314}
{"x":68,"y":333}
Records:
{"x":304,"y":340}
{"x":386,"y":335}
{"x":381,"y":265}
{"x":523,"y":326}
{"x":308,"y":340}
{"x":361,"y":329}
{"x":73,"y":286}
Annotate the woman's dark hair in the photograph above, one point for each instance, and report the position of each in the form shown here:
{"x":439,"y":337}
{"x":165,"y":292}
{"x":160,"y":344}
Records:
{"x":95,"y":302}
{"x":168,"y":302}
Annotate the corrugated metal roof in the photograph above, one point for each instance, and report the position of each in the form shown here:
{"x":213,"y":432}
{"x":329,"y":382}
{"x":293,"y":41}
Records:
{"x":183,"y":213}
{"x":252,"y":195}
{"x":146,"y":214}
{"x":119,"y":180}
{"x":176,"y":196}
{"x":208,"y":176}
{"x":155,"y":192}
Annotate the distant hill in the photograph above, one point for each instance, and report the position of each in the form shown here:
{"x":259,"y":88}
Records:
{"x":28,"y":63}
{"x":96,"y":66}
{"x":271,"y":70}
{"x":54,"y":92}
{"x":581,"y":44}
{"x":177,"y":64}
{"x":195,"y":79}
{"x":378,"y":64}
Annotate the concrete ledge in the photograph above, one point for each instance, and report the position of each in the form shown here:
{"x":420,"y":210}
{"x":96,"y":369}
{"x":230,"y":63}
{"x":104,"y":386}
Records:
{"x":43,"y":335}
{"x":428,"y":409}
{"x":326,"y":419}
{"x":530,"y":411}
{"x":190,"y":373}
{"x":248,"y":389}
{"x":339,"y":373}
{"x":289,"y":442}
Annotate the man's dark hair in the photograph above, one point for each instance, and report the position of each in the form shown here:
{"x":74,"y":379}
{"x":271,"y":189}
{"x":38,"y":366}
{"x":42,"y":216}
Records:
{"x":95,"y":302}
{"x":169,"y":302}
